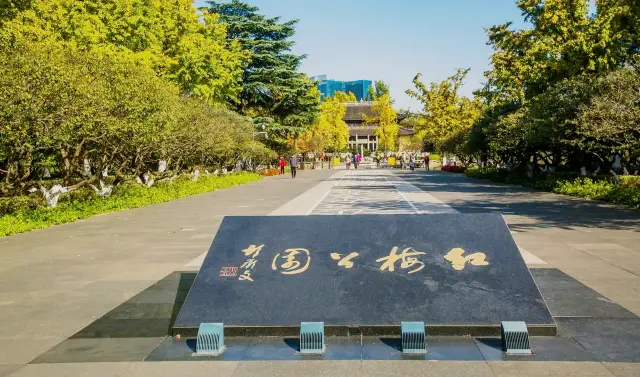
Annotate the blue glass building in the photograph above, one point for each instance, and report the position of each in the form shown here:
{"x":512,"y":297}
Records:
{"x":328,"y":87}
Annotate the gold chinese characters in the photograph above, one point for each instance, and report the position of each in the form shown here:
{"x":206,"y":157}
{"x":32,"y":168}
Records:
{"x":252,"y":252}
{"x":346,"y":261}
{"x":295,"y":261}
{"x":407,"y":257}
{"x":292,"y":266}
{"x":458,"y":261}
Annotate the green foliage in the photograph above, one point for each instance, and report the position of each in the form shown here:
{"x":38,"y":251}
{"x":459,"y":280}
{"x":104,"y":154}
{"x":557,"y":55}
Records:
{"x":330,"y":132}
{"x":63,"y":104}
{"x":445,"y":112}
{"x":385,"y":119}
{"x":564,"y":41}
{"x":23,"y":215}
{"x":163,"y":35}
{"x":631,"y":181}
{"x":282,"y":100}
{"x":626,"y":193}
{"x":377,"y":90}
{"x":610,"y":118}
{"x":563,"y":92}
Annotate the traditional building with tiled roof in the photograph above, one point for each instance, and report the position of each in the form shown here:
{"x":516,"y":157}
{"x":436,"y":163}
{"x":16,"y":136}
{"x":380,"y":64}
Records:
{"x":361,"y":135}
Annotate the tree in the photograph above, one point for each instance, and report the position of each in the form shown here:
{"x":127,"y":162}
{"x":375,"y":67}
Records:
{"x":163,"y":35}
{"x":564,"y":41}
{"x":280,"y":99}
{"x":385,"y":119}
{"x":330,"y":132}
{"x":445,"y":112}
{"x":377,"y":90}
{"x":62,"y":106}
{"x":610,"y":120}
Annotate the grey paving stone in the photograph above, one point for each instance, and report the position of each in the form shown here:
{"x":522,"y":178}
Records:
{"x":606,"y":339}
{"x":177,"y":368}
{"x":624,"y":369}
{"x":112,"y":369}
{"x":99,"y":350}
{"x":7,"y":369}
{"x":548,"y":368}
{"x":310,"y":368}
{"x":567,"y":297}
{"x":421,"y":368}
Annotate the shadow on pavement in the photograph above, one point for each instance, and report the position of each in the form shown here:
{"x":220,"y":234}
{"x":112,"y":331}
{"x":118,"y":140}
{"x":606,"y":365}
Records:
{"x":550,"y":210}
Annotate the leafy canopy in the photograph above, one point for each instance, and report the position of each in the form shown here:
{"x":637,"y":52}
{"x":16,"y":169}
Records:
{"x":282,"y":100}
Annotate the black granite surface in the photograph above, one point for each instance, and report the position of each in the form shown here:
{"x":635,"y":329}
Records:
{"x":437,"y":294}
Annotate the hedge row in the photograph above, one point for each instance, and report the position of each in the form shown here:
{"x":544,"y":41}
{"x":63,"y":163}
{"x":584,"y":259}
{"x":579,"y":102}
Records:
{"x":22,"y":214}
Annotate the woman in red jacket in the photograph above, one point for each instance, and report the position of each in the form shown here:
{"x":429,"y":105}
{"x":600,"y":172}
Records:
{"x":282,"y":165}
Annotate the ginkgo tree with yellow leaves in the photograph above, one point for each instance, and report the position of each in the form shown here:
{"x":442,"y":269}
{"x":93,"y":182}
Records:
{"x":330,"y":132}
{"x":385,"y":119}
{"x":446,"y":112}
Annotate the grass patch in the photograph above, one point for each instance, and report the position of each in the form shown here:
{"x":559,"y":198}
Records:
{"x":125,"y":196}
{"x":627,"y":192}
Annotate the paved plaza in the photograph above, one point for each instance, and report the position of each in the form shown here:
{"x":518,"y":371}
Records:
{"x":98,"y":297}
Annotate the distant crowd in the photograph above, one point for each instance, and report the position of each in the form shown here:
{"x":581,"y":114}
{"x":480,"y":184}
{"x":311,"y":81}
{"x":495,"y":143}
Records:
{"x":403,"y":160}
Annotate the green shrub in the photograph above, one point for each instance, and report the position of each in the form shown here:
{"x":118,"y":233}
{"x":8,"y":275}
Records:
{"x":20,"y":204}
{"x":22,"y":214}
{"x":631,"y":181}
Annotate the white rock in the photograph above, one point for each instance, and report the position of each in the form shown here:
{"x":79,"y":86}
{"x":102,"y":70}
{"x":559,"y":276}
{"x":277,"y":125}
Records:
{"x":104,"y":191}
{"x":87,"y":167}
{"x":52,"y":195}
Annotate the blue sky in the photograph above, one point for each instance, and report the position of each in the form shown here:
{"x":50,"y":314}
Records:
{"x":393,"y":40}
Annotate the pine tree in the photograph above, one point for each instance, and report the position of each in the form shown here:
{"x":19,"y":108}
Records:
{"x":281,"y":100}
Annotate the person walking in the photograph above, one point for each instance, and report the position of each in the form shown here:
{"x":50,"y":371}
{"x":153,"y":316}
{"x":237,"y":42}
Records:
{"x":293,"y":164}
{"x":412,"y":163}
{"x":347,"y":161}
{"x":354,"y":160}
{"x":282,"y":165}
{"x":426,"y":162}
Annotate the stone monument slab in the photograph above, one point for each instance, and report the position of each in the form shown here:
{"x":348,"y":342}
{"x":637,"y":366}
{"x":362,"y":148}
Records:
{"x":451,"y":271}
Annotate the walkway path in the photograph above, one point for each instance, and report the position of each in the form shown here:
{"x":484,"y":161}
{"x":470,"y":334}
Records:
{"x":54,"y":282}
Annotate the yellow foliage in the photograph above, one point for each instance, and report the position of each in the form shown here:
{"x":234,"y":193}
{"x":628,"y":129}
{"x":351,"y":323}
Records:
{"x":330,"y":131}
{"x":385,"y":118}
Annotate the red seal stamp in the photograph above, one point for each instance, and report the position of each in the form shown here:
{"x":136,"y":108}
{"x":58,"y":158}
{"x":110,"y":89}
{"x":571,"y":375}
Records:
{"x":228,"y":271}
